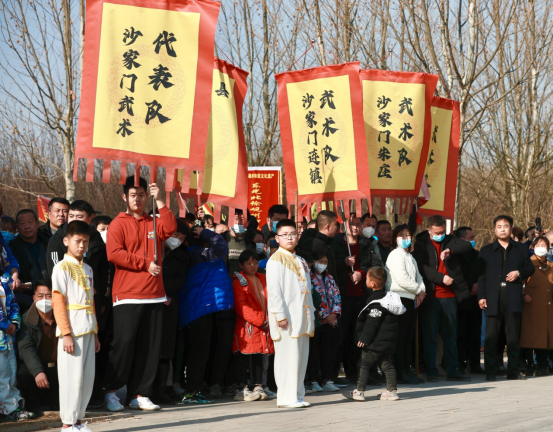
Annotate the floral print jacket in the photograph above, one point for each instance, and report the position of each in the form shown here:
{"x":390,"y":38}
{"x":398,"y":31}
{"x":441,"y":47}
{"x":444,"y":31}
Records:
{"x":331,"y":301}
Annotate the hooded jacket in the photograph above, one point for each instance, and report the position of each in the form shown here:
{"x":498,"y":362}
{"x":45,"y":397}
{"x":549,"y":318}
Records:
{"x":378,"y":323}
{"x":95,"y":256}
{"x":249,"y":337}
{"x":427,"y":261}
{"x":130,"y":246}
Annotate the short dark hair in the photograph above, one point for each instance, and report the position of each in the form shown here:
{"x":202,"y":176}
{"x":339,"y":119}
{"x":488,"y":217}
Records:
{"x":278,"y":208}
{"x":81,"y":205}
{"x":285,"y":223}
{"x":461,"y":231}
{"x":246,"y":255}
{"x":379,"y":275}
{"x":209,"y":217}
{"x":183,"y":228}
{"x":318,"y":254}
{"x":435,"y":221}
{"x":77,"y":227}
{"x":25,"y":211}
{"x":535,"y":241}
{"x":129,"y":184}
{"x":101,"y":219}
{"x":396,"y":232}
{"x":59,"y":200}
{"x":41,"y":282}
{"x":518,"y":233}
{"x":306,"y":256}
{"x":368,"y":215}
{"x":525,"y":232}
{"x":382,"y":222}
{"x":325,"y":217}
{"x":503,"y":217}
{"x":7,"y":223}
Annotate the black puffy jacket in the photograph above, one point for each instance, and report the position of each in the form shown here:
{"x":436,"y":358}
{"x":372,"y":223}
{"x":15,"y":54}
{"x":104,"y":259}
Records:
{"x":377,"y":327}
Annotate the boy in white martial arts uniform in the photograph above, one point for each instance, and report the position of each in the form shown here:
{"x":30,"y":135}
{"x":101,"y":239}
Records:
{"x":291,"y":316}
{"x":73,"y":304}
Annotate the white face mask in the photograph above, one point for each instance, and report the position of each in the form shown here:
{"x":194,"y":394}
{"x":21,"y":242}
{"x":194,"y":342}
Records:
{"x":44,"y":305}
{"x":320,"y":268}
{"x":259,"y":247}
{"x":173,"y":243}
{"x":368,"y":232}
{"x":104,"y":235}
{"x":540,"y":251}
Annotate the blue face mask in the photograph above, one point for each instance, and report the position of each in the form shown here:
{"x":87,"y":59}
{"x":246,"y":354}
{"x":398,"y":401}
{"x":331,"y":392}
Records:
{"x":439,"y":238}
{"x":403,"y":243}
{"x":473,"y":243}
{"x":274,"y":225}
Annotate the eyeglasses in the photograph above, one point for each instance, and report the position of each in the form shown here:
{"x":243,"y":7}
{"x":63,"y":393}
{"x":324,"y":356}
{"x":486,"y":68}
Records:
{"x":290,"y":236}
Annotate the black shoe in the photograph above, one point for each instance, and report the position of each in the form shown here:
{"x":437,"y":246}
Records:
{"x":411,"y":375}
{"x":516,"y":376}
{"x":342,"y":382}
{"x":95,"y":403}
{"x":490,"y":378}
{"x":531,"y":370}
{"x":541,"y":372}
{"x":19,"y":415}
{"x":458,"y":376}
{"x":431,"y":378}
{"x":477,"y":370}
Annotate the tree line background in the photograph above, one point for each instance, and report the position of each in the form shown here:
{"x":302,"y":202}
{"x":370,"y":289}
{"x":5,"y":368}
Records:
{"x":493,"y":56}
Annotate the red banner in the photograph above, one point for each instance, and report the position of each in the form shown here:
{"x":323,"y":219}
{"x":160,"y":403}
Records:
{"x":264,"y":191}
{"x":226,"y":162}
{"x":443,"y":160}
{"x":396,"y":110}
{"x":322,"y":131}
{"x":42,"y":205}
{"x":148,"y":70}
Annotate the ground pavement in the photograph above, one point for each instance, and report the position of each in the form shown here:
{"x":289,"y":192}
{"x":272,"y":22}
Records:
{"x":476,"y":406}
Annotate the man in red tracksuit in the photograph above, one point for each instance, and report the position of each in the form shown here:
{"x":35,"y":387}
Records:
{"x":138,"y":296}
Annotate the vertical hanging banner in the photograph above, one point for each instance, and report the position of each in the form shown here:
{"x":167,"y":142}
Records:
{"x":225,"y":174}
{"x":443,"y":160}
{"x":322,"y":133}
{"x":42,"y":206}
{"x":264,"y":191}
{"x":147,"y":79}
{"x":396,"y":109}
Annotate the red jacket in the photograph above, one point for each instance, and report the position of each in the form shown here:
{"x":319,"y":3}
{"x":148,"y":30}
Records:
{"x":248,"y":337}
{"x":130,"y":247}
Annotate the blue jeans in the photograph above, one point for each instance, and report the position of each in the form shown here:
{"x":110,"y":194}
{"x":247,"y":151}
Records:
{"x":439,"y":315}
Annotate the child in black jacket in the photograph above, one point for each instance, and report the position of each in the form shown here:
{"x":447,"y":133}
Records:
{"x":377,"y":330}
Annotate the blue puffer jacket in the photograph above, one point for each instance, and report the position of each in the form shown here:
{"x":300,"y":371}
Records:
{"x":208,"y":287}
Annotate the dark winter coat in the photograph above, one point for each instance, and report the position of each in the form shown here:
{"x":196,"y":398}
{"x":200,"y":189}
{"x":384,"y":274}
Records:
{"x":45,"y":230}
{"x":490,"y":280}
{"x":27,"y":272}
{"x":312,"y":239}
{"x":472,"y":268}
{"x":377,"y":327}
{"x":427,"y":261}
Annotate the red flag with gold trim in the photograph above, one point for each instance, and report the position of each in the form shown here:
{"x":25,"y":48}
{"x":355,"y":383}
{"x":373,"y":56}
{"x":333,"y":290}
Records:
{"x":443,"y":160}
{"x":225,"y":176}
{"x":322,"y":133}
{"x":42,"y":206}
{"x":147,"y":78}
{"x":396,"y":109}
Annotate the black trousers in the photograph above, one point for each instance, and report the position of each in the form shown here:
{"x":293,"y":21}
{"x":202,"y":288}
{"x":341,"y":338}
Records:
{"x":221,"y":346}
{"x":198,"y":342}
{"x":368,"y":360}
{"x":134,"y":354}
{"x":249,"y":367}
{"x":469,"y":331}
{"x":322,"y":352}
{"x":351,"y":307}
{"x":494,"y":324}
{"x":35,"y":398}
{"x":407,"y":324}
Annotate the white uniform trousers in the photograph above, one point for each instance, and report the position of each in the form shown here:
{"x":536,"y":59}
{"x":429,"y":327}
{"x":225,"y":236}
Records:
{"x":291,"y":356}
{"x":9,"y":395}
{"x":76,"y":378}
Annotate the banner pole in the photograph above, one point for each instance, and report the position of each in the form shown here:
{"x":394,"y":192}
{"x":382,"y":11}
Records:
{"x":155,"y":231}
{"x":296,"y":210}
{"x":346,"y":231}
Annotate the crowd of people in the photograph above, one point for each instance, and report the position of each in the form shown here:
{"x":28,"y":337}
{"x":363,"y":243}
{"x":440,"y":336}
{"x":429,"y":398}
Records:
{"x":193,"y":310}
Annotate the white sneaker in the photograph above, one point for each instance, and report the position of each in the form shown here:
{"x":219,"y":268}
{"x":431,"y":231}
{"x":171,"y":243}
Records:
{"x":316,"y":387}
{"x":330,"y":387}
{"x":82,"y":428}
{"x":178,"y":389}
{"x":111,"y":401}
{"x":305,"y":404}
{"x":144,"y":404}
{"x":258,"y":390}
{"x":297,"y":404}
